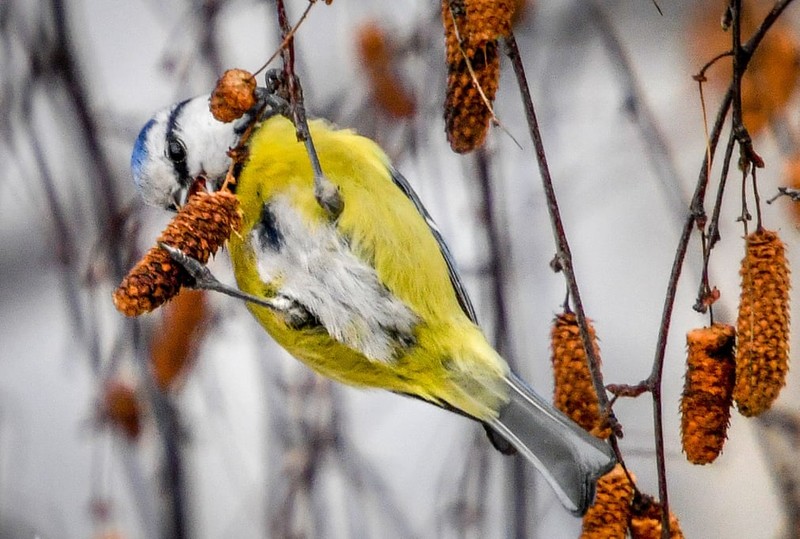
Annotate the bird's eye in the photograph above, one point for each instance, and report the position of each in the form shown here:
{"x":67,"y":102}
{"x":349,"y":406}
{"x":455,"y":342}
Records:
{"x":176,"y":151}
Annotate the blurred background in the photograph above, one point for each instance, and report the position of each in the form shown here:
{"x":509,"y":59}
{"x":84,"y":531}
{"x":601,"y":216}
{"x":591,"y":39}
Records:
{"x":192,"y":422}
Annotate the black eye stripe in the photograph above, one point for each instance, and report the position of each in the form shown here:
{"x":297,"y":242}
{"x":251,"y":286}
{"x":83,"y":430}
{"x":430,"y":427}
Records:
{"x":180,"y":166}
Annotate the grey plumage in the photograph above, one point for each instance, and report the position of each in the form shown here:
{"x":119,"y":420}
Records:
{"x":569,"y":458}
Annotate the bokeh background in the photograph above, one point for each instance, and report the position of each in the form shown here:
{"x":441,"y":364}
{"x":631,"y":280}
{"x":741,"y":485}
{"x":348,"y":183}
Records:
{"x":216,"y":431}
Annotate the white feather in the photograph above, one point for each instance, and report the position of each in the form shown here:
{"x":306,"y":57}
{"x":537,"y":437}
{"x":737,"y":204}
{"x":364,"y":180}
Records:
{"x":316,"y":268}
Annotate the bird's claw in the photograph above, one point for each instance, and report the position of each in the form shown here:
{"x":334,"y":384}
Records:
{"x":203,"y":278}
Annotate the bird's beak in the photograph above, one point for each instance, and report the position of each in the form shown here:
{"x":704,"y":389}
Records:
{"x":181,"y":195}
{"x":178,"y":198}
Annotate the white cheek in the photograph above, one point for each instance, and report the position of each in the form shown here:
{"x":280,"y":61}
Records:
{"x":157,"y":184}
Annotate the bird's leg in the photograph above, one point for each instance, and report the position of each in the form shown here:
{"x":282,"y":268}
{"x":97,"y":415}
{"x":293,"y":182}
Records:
{"x":267,"y":105}
{"x":295,"y":314}
{"x":205,"y":280}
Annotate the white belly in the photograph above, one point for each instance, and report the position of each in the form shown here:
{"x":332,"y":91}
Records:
{"x":316,"y":268}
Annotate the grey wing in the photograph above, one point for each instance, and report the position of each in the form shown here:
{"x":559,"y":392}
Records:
{"x":455,"y":279}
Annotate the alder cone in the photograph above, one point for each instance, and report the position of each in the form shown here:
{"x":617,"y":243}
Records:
{"x":175,"y":341}
{"x":467,"y":115}
{"x":200,"y":228}
{"x":473,"y":67}
{"x":707,"y":392}
{"x":377,"y":55}
{"x":233,"y":95}
{"x":487,"y":20}
{"x":762,"y":352}
{"x":120,"y":407}
{"x":646,"y":521}
{"x":608,"y":517}
{"x":573,"y":390}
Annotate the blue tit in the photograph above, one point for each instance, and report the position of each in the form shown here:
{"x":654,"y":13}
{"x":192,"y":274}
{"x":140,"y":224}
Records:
{"x":369,"y":297}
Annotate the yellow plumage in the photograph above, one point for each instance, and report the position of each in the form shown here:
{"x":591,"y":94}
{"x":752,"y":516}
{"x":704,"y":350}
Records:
{"x":450,"y":362}
{"x":369,"y":297}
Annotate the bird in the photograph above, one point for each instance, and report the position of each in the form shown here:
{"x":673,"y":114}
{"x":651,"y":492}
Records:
{"x":368,"y":296}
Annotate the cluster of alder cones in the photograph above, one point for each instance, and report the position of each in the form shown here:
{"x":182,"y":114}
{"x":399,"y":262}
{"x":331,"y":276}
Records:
{"x":201,"y":226}
{"x":619,"y":507}
{"x":746,"y":365}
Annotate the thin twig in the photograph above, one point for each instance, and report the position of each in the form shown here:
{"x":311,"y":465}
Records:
{"x":711,"y":235}
{"x":325,"y":192}
{"x":286,"y":39}
{"x":696,"y":211}
{"x":701,"y":75}
{"x":713,"y":226}
{"x":562,"y":246}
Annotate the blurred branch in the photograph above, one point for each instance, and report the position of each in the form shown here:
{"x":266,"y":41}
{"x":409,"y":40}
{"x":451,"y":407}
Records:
{"x":306,"y":418}
{"x":498,"y":275}
{"x":656,"y":146}
{"x":50,"y":60}
{"x":104,"y":194}
{"x":208,"y":27}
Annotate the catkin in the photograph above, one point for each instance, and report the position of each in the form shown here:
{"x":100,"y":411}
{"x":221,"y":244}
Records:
{"x":199,"y":230}
{"x":573,"y":391}
{"x":378,"y":60}
{"x":120,"y":407}
{"x":645,"y":521}
{"x":762,"y":352}
{"x":487,"y":20}
{"x":175,"y":341}
{"x":233,"y":95}
{"x":472,"y":28}
{"x":707,"y":392}
{"x":608,"y":517}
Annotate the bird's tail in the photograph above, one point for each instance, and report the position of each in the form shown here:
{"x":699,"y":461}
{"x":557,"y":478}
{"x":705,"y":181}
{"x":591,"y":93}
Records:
{"x":570,"y":459}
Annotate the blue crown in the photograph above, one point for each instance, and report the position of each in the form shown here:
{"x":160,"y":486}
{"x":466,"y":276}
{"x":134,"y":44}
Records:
{"x":139,"y":154}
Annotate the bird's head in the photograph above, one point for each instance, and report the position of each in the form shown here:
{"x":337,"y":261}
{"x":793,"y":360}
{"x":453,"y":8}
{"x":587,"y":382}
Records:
{"x":178,"y":146}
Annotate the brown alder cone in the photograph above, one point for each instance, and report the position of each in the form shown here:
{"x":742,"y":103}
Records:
{"x":467,"y":114}
{"x":607,"y":518}
{"x":771,"y":76}
{"x":645,"y":521}
{"x":487,"y":20}
{"x":176,"y":340}
{"x":573,"y":391}
{"x":199,"y":229}
{"x":762,"y":351}
{"x":233,"y":95}
{"x":120,"y":407}
{"x":707,"y":392}
{"x":377,"y":57}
